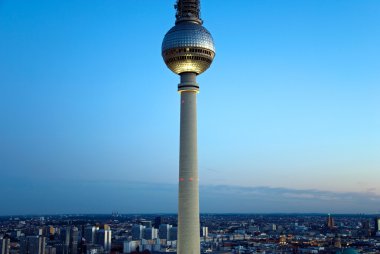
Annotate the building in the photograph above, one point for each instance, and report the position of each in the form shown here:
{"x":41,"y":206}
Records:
{"x":65,"y":237}
{"x":157,"y":221}
{"x":204,"y":232}
{"x":173,"y":234}
{"x":39,"y":231}
{"x":74,"y":237}
{"x":4,"y":245}
{"x":137,"y":231}
{"x":163,"y":231}
{"x":188,"y":50}
{"x":330,"y":222}
{"x":377,"y":226}
{"x":33,"y":245}
{"x":103,"y":238}
{"x":366,"y":228}
{"x":131,"y":246}
{"x":51,"y":230}
{"x":89,"y":234}
{"x":146,"y":223}
{"x":150,"y":233}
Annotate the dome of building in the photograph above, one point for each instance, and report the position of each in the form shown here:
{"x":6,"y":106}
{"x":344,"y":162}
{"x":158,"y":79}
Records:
{"x":188,"y":47}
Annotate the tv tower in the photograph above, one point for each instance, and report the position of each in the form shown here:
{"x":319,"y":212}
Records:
{"x":188,"y":50}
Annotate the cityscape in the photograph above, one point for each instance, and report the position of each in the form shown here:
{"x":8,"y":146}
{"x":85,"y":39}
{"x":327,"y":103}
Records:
{"x":219,"y":233}
{"x":280,"y":155}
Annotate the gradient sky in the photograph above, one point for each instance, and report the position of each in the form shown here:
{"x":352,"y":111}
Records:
{"x":289,"y":112}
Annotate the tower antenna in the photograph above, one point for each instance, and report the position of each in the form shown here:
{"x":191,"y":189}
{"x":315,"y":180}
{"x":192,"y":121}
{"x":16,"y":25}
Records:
{"x":188,"y":11}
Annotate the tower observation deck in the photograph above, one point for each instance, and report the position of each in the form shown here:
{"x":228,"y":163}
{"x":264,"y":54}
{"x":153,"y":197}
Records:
{"x":188,"y":50}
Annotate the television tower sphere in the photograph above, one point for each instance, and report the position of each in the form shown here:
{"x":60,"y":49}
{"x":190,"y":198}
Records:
{"x":188,"y":47}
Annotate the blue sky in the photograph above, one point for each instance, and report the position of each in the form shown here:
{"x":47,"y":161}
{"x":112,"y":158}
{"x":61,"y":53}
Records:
{"x":288,"y":110}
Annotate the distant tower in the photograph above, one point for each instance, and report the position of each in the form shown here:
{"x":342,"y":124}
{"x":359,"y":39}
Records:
{"x":188,"y":50}
{"x":330,"y":222}
{"x":4,"y":245}
{"x":377,"y":226}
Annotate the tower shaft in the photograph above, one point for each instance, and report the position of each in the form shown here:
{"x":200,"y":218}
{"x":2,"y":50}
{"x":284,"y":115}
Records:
{"x":188,"y":50}
{"x":188,"y":199}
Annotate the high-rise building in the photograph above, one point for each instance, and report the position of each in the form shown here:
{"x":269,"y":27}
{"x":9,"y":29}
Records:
{"x":377,"y":226}
{"x":33,"y":245}
{"x":173,"y":234}
{"x":103,"y":237}
{"x":204,"y":231}
{"x":146,"y":223}
{"x":366,"y":227}
{"x":89,"y":234}
{"x":4,"y":245}
{"x":39,"y":231}
{"x":188,"y":50}
{"x":137,"y":231}
{"x":74,"y":240}
{"x":150,"y":233}
{"x":157,"y":221}
{"x":130,"y":246}
{"x":163,"y":231}
{"x":65,"y":237}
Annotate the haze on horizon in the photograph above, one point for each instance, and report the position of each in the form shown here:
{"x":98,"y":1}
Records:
{"x":288,"y":121}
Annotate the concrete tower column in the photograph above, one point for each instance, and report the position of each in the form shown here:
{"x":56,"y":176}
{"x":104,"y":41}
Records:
{"x":188,"y":50}
{"x":188,"y":200}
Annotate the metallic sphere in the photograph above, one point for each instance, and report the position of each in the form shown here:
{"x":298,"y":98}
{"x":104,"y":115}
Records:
{"x":188,"y":47}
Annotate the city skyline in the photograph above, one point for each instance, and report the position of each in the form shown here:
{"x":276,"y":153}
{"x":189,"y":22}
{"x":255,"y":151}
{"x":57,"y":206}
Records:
{"x":289,"y":110}
{"x":249,"y":233}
